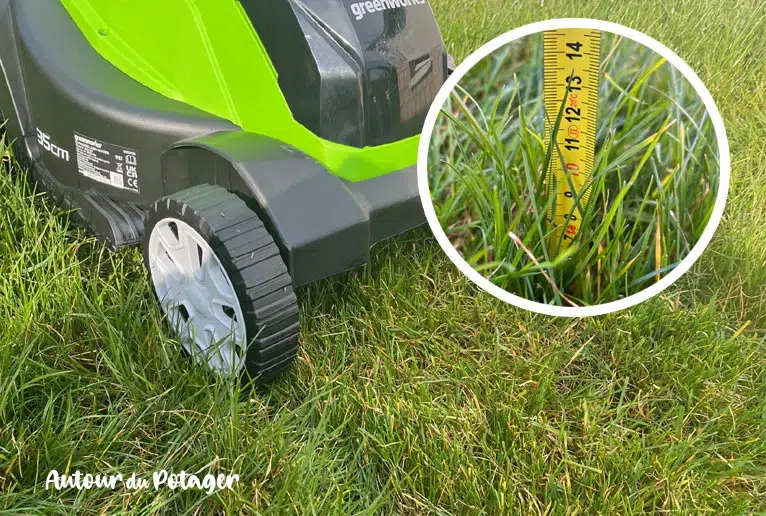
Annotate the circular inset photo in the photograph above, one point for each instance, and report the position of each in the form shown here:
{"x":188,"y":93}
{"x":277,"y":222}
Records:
{"x":573,"y":167}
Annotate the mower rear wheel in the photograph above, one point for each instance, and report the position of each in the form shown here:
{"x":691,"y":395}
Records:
{"x":221,"y":282}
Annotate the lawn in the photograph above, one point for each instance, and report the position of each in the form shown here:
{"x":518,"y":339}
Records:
{"x":652,"y":192}
{"x":414,"y":392}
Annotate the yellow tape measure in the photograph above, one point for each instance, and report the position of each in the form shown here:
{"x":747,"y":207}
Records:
{"x":571,"y":59}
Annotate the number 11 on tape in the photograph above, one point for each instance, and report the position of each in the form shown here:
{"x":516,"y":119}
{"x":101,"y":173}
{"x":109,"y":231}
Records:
{"x":571,"y":59}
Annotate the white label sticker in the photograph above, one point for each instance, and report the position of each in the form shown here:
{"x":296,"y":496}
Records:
{"x":107,"y":163}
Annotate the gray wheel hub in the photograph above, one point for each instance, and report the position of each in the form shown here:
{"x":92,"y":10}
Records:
{"x":197,"y":296}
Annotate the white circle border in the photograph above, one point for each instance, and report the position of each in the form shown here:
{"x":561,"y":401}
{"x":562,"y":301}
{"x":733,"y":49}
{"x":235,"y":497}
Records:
{"x":582,"y":311}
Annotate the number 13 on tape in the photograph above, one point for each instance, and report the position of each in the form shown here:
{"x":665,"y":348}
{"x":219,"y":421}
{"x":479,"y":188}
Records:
{"x":571,"y":59}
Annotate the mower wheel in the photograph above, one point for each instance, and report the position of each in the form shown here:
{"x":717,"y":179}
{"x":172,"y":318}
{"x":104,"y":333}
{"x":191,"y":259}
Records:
{"x":221,"y":282}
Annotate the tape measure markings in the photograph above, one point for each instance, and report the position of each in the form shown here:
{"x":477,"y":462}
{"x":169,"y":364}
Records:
{"x":571,"y":59}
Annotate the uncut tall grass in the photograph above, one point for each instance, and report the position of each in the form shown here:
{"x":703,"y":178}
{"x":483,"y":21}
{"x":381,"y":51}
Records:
{"x":653,"y":186}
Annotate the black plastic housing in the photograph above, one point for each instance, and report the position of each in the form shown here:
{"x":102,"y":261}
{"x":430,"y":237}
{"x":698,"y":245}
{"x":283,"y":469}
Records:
{"x":357,"y":73}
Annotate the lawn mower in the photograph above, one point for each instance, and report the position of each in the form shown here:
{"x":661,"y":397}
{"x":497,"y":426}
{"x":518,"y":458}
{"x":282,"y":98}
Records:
{"x":252,"y":147}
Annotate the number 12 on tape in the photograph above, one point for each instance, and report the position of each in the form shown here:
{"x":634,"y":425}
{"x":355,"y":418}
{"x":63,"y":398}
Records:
{"x":571,"y":59}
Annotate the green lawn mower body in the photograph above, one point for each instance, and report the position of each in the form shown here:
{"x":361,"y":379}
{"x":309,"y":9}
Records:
{"x":298,"y":105}
{"x":308,"y":111}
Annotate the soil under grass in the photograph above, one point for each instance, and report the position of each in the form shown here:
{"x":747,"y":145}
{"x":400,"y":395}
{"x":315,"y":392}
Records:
{"x":653,"y":187}
{"x":414,"y":393}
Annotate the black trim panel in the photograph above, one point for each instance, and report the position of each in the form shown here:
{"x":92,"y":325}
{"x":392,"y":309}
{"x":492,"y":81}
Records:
{"x":325,"y":225}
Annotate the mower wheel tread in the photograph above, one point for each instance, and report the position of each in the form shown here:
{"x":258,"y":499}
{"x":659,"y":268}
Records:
{"x":255,"y":267}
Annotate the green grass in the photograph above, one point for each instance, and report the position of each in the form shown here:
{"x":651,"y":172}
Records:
{"x":652,"y":191}
{"x":414,"y":392}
